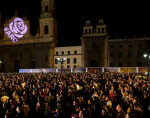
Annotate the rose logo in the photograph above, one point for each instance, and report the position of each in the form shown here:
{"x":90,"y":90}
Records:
{"x":18,"y":27}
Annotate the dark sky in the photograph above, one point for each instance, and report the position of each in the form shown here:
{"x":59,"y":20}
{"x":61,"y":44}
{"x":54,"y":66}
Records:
{"x":122,"y":18}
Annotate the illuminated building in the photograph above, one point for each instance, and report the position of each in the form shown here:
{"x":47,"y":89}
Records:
{"x":72,"y":55}
{"x":31,"y":51}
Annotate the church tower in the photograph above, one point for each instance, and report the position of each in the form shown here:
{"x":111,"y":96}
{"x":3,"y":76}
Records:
{"x":48,"y":26}
{"x":94,"y":45}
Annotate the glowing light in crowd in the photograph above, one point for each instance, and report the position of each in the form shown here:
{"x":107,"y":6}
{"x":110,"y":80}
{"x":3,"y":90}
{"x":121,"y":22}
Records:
{"x":145,"y":55}
{"x":16,"y":29}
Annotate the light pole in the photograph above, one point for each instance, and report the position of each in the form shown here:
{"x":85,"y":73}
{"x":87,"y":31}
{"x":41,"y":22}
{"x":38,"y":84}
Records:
{"x":61,"y":60}
{"x":147,"y":56}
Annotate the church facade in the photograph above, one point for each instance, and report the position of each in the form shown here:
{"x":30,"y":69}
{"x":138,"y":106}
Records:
{"x":31,"y":51}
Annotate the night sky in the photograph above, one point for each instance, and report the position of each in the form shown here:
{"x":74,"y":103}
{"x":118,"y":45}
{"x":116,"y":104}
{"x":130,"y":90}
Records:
{"x":122,"y":18}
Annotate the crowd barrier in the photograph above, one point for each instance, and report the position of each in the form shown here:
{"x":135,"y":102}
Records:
{"x":90,"y":69}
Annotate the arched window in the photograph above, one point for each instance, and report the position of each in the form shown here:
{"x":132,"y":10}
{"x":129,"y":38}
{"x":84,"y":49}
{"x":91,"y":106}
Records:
{"x":103,"y":30}
{"x":90,"y":31}
{"x":46,"y":29}
{"x":86,"y":31}
{"x":46,"y":8}
{"x":99,"y":30}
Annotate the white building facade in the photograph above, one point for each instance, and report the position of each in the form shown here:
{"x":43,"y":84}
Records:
{"x":71,"y":56}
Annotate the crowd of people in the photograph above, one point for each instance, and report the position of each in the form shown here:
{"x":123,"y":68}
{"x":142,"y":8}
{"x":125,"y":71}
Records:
{"x":74,"y":95}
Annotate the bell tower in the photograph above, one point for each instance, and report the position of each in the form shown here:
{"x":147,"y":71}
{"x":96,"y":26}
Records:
{"x":94,"y":45}
{"x":48,"y":28}
{"x":48,"y":25}
{"x":47,"y":8}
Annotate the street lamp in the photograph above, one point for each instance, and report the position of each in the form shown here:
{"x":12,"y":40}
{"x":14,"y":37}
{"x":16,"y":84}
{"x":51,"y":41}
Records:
{"x":61,"y":60}
{"x":0,"y":61}
{"x":147,"y":56}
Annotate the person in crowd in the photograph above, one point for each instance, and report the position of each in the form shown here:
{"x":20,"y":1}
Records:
{"x":19,"y":113}
{"x":120,"y":112}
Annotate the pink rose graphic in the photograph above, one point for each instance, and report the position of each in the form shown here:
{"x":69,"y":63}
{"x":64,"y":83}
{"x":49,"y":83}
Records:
{"x":18,"y":27}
